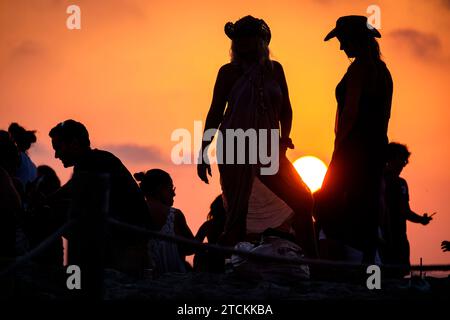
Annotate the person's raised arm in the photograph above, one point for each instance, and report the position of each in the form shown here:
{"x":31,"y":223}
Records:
{"x":202,"y":231}
{"x":213,"y":119}
{"x":417,"y":218}
{"x":411,"y":215}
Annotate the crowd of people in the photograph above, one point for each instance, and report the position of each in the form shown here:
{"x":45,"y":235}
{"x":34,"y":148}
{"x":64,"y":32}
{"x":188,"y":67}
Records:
{"x":359,"y":214}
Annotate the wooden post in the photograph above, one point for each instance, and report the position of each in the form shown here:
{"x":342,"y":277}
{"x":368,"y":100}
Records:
{"x":420,"y":268}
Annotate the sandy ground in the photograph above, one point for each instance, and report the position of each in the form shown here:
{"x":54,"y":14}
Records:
{"x":47,"y":284}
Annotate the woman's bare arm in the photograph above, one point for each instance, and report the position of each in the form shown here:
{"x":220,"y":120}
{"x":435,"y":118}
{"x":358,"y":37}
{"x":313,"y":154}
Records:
{"x":219,"y":101}
{"x":202,"y":231}
{"x":214,"y":118}
{"x":286,"y":108}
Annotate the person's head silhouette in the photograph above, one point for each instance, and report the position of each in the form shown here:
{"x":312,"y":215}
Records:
{"x":23,"y":138}
{"x":217,"y":210}
{"x":356,"y":36}
{"x":70,"y":140}
{"x":47,"y":180}
{"x":250,"y":39}
{"x":158,"y":184}
{"x":397,"y":158}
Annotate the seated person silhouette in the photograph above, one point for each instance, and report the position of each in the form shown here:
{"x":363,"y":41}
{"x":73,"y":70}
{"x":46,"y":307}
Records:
{"x":124,"y":250}
{"x":157,"y":185}
{"x":397,"y":210}
{"x":211,"y":229}
{"x":26,"y":172}
{"x":42,"y":220}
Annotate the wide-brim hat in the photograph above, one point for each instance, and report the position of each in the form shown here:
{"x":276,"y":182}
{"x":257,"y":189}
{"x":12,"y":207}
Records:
{"x":353,"y":26}
{"x":248,"y":26}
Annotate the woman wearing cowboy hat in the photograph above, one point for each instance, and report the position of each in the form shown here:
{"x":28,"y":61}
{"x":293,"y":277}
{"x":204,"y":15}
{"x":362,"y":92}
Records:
{"x":254,"y":91}
{"x":347,"y":206}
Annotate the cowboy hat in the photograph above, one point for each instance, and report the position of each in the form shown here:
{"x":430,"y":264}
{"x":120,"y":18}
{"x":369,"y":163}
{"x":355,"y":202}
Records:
{"x":353,"y":26}
{"x":248,"y":26}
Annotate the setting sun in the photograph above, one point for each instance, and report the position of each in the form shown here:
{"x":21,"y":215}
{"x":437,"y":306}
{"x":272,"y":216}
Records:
{"x":312,"y":170}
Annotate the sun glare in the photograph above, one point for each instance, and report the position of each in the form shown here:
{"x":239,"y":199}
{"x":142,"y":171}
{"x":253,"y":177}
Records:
{"x":312,"y":170}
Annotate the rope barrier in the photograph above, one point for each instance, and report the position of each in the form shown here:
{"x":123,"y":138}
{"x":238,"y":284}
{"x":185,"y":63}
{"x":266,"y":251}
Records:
{"x":258,"y":256}
{"x":39,"y":249}
{"x":206,"y":246}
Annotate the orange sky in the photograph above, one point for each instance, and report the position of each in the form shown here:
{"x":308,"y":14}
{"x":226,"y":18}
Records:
{"x":137,"y":70}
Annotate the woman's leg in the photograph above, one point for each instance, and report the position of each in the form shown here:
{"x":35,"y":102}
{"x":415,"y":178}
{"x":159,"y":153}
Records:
{"x":289,"y":187}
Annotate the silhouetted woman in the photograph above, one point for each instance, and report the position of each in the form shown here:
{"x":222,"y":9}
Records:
{"x":157,"y":186}
{"x":211,"y":229}
{"x":348,"y":204}
{"x":254,"y":91}
{"x":24,"y":139}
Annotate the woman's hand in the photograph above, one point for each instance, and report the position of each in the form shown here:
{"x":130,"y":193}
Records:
{"x":426,"y":219}
{"x":445,"y":245}
{"x":202,"y":170}
{"x":285,"y":143}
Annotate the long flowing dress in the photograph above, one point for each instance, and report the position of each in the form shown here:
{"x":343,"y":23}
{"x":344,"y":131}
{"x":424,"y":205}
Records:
{"x":255,"y":102}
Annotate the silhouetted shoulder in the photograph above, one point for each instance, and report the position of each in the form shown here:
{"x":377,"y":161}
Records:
{"x":179,"y":216}
{"x":228,"y":75}
{"x":229,"y":67}
{"x":364,"y":73}
{"x":229,"y":71}
{"x":277,"y":69}
{"x":386,"y":71}
{"x":100,"y":161}
{"x":103,"y":154}
{"x":278,"y":74}
{"x":382,"y":64}
{"x":358,"y":67}
{"x":277,"y":66}
{"x":402,"y":182}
